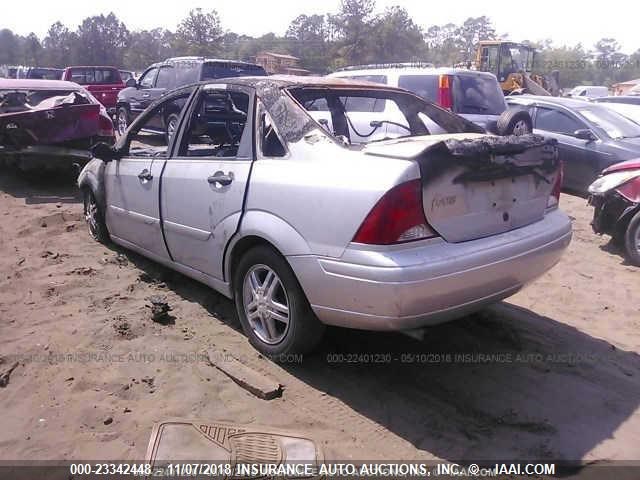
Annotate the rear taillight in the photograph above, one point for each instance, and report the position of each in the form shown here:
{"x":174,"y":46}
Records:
{"x":105,"y":126}
{"x":554,"y":198}
{"x":445,"y":99}
{"x":397,"y":217}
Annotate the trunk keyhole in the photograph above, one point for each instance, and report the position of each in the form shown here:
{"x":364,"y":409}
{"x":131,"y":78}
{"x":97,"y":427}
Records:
{"x":505,"y":216}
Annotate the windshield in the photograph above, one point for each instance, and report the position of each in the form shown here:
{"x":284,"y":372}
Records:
{"x":632,"y":112}
{"x":612,"y":123}
{"x":360,"y":116}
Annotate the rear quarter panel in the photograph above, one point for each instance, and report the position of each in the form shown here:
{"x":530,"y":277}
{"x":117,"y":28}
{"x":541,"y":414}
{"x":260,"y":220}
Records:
{"x":314,"y":200}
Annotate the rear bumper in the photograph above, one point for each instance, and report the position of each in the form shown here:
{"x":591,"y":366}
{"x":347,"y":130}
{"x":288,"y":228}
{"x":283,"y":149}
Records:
{"x":429,"y":282}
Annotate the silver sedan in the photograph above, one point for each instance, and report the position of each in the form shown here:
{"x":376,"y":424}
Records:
{"x":319,"y":201}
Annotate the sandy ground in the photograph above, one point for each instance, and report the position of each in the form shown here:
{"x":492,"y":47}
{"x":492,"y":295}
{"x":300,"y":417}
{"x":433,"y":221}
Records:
{"x":553,"y":373}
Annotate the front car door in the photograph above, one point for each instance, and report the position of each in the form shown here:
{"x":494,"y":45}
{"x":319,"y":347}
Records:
{"x":203,"y":185}
{"x":142,"y":97}
{"x":579,"y":156}
{"x":132,"y":183}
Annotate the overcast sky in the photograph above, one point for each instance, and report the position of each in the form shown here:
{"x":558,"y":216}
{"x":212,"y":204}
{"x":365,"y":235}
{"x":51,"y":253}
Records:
{"x":563,"y":21}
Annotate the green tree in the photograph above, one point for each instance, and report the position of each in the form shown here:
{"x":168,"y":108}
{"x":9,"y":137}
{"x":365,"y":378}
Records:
{"x":58,"y":45}
{"x":353,"y":27}
{"x":101,"y":40}
{"x":307,"y":36}
{"x":32,"y":50}
{"x":9,"y":48}
{"x":200,"y":33}
{"x":396,"y":38}
{"x":471,"y":32}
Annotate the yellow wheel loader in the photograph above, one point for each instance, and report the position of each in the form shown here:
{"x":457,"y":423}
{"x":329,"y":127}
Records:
{"x":512,"y":63}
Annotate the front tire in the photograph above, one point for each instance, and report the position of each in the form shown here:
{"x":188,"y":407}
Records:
{"x":272,"y":308}
{"x":94,"y":217}
{"x":122,"y":120}
{"x":632,"y":240}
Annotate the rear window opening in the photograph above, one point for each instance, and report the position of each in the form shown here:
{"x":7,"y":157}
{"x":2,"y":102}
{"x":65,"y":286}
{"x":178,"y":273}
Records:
{"x":360,"y":116}
{"x":95,"y":76}
{"x":476,"y":94}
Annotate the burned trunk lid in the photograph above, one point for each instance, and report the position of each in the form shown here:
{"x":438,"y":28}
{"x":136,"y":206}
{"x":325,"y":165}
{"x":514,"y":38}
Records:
{"x":480,"y":185}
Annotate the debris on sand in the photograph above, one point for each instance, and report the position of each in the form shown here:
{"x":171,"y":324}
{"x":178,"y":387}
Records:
{"x":4,"y":376}
{"x":252,"y":381}
{"x":117,"y":259}
{"x":160,"y":309}
{"x":108,"y":421}
{"x":82,"y":271}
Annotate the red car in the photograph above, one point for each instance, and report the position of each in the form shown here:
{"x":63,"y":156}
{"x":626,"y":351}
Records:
{"x":49,"y":124}
{"x":104,"y":83}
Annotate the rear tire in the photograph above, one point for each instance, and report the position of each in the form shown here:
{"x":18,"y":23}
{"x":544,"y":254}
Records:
{"x":632,"y":240}
{"x":266,"y":291}
{"x":514,"y":122}
{"x":94,"y":217}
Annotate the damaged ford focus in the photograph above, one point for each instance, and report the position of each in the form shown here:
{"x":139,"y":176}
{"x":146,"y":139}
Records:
{"x":323,"y":201}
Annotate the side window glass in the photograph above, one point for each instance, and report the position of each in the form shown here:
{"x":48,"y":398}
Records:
{"x":270,"y":143}
{"x":149,"y":78}
{"x":166,"y":78}
{"x":216,"y":125}
{"x":153,"y":135}
{"x":555,"y":121}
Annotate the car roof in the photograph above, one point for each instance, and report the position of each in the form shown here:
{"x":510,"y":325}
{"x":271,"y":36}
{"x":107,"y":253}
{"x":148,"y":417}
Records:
{"x":34,"y":84}
{"x":200,"y":60}
{"x":632,"y":99}
{"x":561,"y":101}
{"x":410,"y":71}
{"x":284,"y":81}
{"x":91,"y":66}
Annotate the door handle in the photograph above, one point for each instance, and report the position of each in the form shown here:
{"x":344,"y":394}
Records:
{"x":146,"y":95}
{"x":145,"y":175}
{"x":221,"y":178}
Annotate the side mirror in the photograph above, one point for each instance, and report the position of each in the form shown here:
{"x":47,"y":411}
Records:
{"x":131,"y":82}
{"x":585,"y":134}
{"x":104,"y":152}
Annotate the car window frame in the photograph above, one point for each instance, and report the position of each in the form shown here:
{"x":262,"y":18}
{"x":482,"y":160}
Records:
{"x":260,"y":110}
{"x":147,"y":114}
{"x":247,"y":140}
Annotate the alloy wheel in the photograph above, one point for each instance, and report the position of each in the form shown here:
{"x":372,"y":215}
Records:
{"x":266,"y":305}
{"x":520,"y":128}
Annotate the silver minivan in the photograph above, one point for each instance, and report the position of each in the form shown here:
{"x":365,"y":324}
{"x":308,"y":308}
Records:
{"x":474,"y":95}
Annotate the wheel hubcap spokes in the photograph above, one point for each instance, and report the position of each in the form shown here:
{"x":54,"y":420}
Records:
{"x":520,"y":128}
{"x":90,"y":215}
{"x":266,"y":305}
{"x":122,"y":124}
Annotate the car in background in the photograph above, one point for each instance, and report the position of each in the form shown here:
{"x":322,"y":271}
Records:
{"x":126,"y":75}
{"x":104,"y":83}
{"x":49,"y":124}
{"x":627,"y":105}
{"x":474,"y":95}
{"x":591,"y":137}
{"x":413,"y":231}
{"x":173,"y":73}
{"x":40,"y":73}
{"x":586,"y":92}
{"x":615,"y":197}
